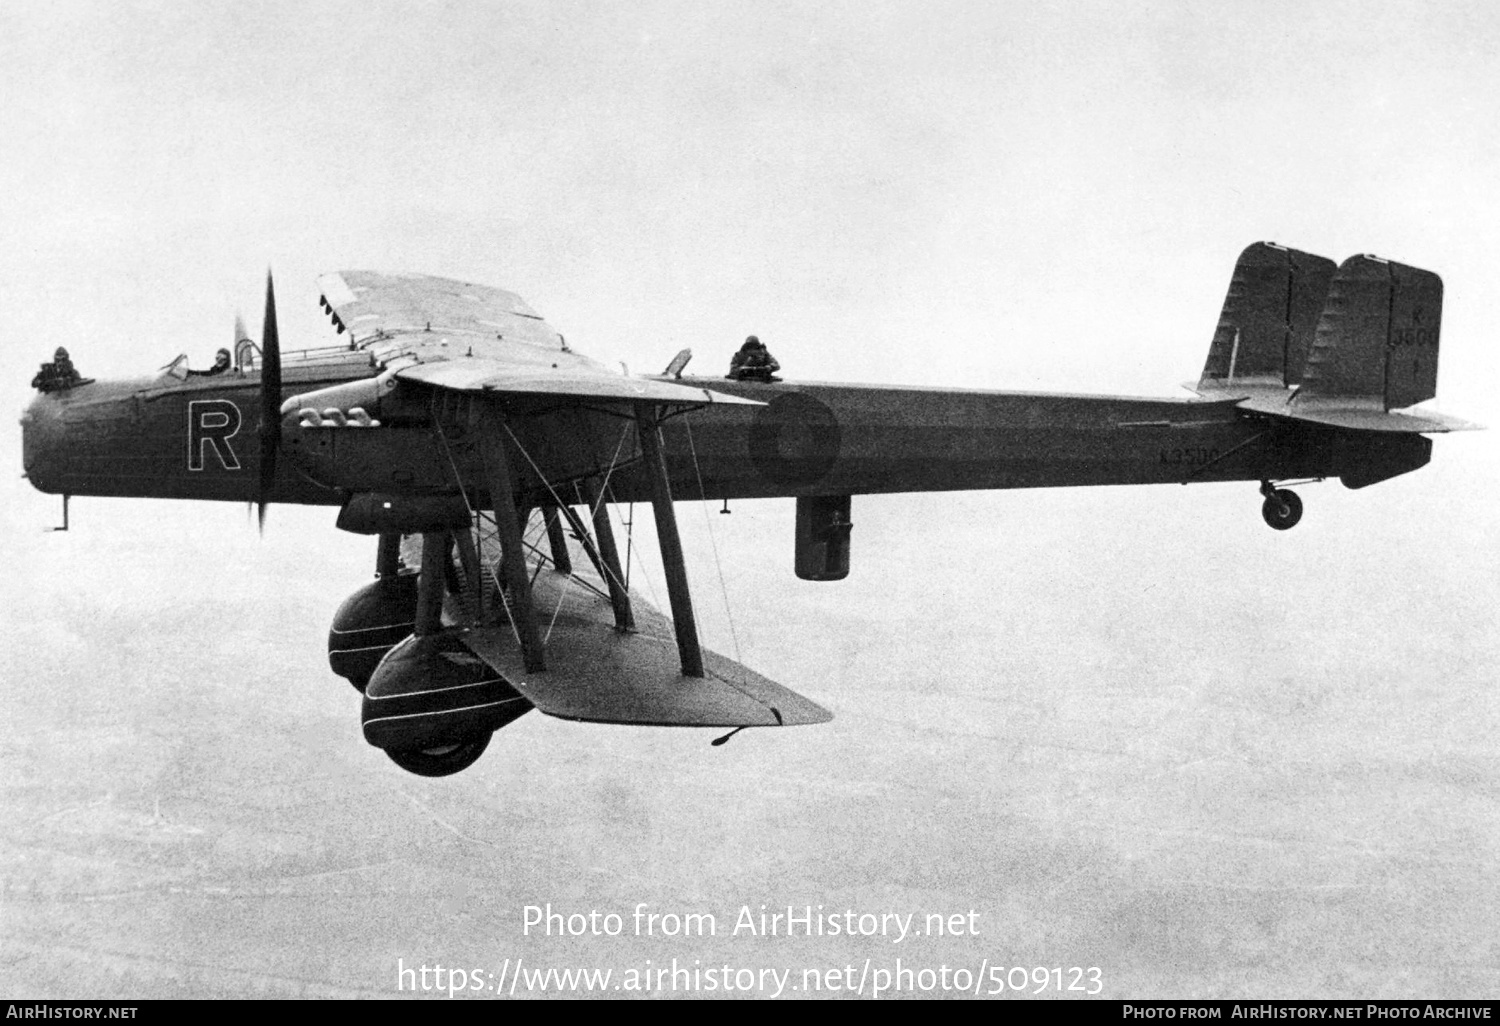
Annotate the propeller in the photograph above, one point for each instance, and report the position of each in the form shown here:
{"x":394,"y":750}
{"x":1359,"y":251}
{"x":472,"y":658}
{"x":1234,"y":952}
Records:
{"x":270,"y":403}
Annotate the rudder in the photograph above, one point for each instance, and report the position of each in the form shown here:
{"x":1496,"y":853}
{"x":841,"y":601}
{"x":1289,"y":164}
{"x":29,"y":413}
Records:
{"x":1377,"y":338}
{"x":1412,"y":353}
{"x":1269,"y":316}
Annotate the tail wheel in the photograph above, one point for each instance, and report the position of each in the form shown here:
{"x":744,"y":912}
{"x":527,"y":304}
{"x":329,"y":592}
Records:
{"x":1282,"y":509}
{"x":443,"y":760}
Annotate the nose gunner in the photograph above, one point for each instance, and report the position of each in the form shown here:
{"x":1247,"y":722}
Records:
{"x":57,"y":375}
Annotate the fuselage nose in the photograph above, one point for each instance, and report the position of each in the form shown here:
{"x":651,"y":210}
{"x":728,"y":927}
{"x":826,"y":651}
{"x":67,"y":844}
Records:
{"x":158,"y":437}
{"x":40,"y":427}
{"x":75,"y":440}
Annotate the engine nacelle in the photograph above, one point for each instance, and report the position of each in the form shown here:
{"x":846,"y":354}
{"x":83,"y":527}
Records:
{"x":369,"y":624}
{"x":431,"y":691}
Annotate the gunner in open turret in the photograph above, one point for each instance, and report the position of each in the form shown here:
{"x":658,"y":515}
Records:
{"x":753,"y":362}
{"x":58,"y":374}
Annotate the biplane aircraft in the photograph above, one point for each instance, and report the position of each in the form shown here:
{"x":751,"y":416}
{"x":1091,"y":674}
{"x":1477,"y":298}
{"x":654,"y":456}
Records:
{"x":458,"y":428}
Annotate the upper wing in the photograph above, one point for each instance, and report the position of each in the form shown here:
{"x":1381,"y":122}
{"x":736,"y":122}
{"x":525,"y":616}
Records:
{"x":474,"y":338}
{"x":369,"y":304}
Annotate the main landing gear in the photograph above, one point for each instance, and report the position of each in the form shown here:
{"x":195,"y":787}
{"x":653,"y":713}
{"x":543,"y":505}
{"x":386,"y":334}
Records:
{"x":441,"y":761}
{"x":1282,"y":509}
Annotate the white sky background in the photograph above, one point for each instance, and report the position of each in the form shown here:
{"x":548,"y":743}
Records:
{"x":967,"y":194}
{"x":962,"y":193}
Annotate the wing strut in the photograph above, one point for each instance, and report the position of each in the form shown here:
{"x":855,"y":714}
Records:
{"x":556,"y":540}
{"x":609,"y":555}
{"x":671,"y":545}
{"x":508,"y":522}
{"x":581,"y":532}
{"x":388,"y":556}
{"x":468,"y":557}
{"x":435,"y":548}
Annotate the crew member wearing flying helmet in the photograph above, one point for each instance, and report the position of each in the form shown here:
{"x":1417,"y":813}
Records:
{"x":58,"y":374}
{"x":221,"y":364}
{"x":753,"y":362}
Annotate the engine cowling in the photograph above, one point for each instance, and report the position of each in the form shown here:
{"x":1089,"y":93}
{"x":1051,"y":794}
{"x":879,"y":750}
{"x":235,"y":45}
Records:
{"x":369,"y":624}
{"x":430,"y":691}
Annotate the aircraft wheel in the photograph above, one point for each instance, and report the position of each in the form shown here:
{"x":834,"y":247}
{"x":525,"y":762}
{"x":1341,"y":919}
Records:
{"x":1282,"y":509}
{"x":443,"y":760}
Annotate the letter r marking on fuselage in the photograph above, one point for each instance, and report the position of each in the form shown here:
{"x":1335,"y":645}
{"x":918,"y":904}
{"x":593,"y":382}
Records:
{"x":212,"y":422}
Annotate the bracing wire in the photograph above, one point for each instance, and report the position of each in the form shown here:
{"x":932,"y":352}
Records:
{"x":629,"y":542}
{"x":645,"y":575}
{"x":558,"y":499}
{"x":478,"y":535}
{"x":712,"y":541}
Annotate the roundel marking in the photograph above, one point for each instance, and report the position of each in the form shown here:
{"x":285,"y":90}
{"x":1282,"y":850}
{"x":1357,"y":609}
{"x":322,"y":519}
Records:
{"x":794,"y":440}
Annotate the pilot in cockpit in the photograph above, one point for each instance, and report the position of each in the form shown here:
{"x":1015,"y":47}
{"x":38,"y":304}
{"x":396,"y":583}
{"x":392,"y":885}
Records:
{"x":222,"y":361}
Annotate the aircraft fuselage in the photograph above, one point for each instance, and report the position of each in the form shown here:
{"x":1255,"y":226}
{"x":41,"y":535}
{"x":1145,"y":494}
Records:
{"x":196,"y":439}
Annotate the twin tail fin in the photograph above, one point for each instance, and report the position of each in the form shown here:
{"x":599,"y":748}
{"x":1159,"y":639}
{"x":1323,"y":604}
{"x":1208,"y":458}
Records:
{"x":1344,"y":347}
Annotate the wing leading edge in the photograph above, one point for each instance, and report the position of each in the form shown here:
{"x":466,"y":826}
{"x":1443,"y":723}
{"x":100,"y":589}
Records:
{"x":578,"y":381}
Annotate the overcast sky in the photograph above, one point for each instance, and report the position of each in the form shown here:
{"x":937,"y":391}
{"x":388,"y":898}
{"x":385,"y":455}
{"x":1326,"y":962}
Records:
{"x":1256,"y":742}
{"x":992,"y":194}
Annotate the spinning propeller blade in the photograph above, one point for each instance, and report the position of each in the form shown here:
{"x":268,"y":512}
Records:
{"x":270,"y":402}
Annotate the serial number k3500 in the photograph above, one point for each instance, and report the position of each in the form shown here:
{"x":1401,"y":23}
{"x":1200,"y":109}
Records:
{"x":1189,"y":457}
